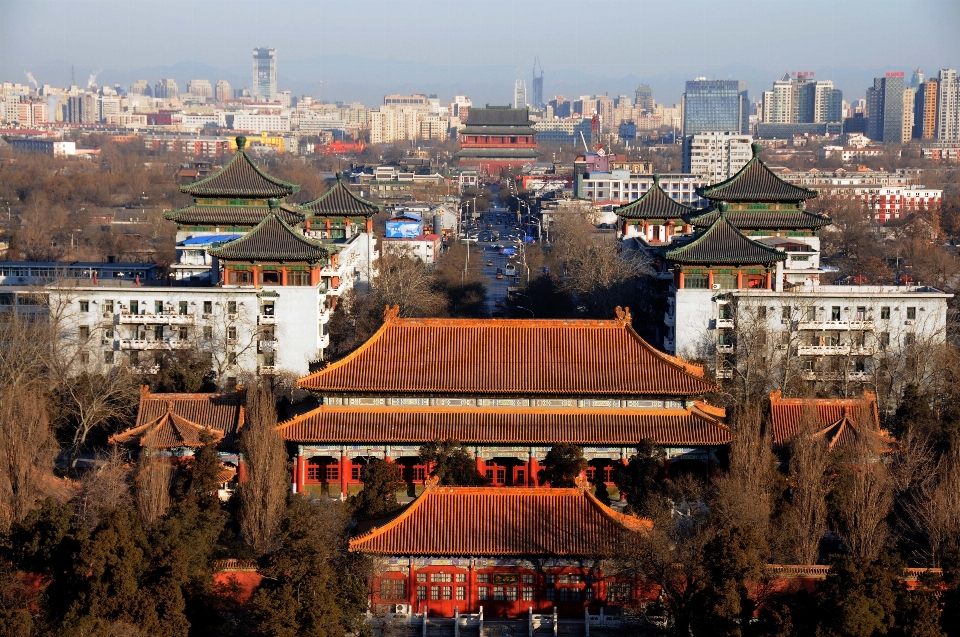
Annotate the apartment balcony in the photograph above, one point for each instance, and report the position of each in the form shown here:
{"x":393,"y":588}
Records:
{"x":154,"y":344}
{"x":267,"y":319}
{"x":725,"y":373}
{"x":857,"y":377}
{"x":725,"y":349}
{"x":126,"y":318}
{"x":669,"y":344}
{"x":858,"y":324}
{"x":267,"y":345}
{"x":324,"y":341}
{"x":670,"y":319}
{"x":266,"y":370}
{"x":724,"y":323}
{"x":823,"y":350}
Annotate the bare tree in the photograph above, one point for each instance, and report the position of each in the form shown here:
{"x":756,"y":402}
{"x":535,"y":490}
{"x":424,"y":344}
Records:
{"x":152,"y":485}
{"x":263,"y":493}
{"x":27,"y":452}
{"x":104,"y":487}
{"x":869,"y":499}
{"x":935,"y":509}
{"x":805,"y":521}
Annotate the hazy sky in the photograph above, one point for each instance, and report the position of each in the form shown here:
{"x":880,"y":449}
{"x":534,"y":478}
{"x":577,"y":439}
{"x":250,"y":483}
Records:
{"x":361,"y":50}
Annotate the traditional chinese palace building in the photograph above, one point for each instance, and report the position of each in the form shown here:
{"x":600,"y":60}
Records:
{"x":507,"y":389}
{"x":505,"y":550}
{"x":497,"y":138}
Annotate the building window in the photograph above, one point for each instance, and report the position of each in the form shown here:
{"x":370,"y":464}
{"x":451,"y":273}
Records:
{"x":208,"y":307}
{"x":527,"y":594}
{"x":183,"y":333}
{"x":84,"y":306}
{"x":441,"y":577}
{"x":619,"y":592}
{"x":435,"y":593}
{"x":511,"y":593}
{"x":134,"y":307}
{"x":550,"y":593}
{"x":108,"y":307}
{"x":158,"y":332}
{"x":884,"y":312}
{"x":134,"y":357}
{"x":270,"y":277}
{"x":861,"y":313}
{"x":207,"y":332}
{"x":239,"y":277}
{"x":498,"y":593}
{"x":527,"y":579}
{"x":355,"y":473}
{"x":84,"y":358}
{"x":835,"y":313}
{"x":461,"y":577}
{"x":231,"y":334}
{"x":695,"y":281}
{"x":571,"y":578}
{"x":332,"y":473}
{"x":182,"y":307}
{"x":84,"y":332}
{"x":483,"y":578}
{"x":158,"y":307}
{"x":909,"y":338}
{"x":461,"y":593}
{"x":421,"y":592}
{"x":231,"y":307}
{"x":447,"y":593}
{"x":911,"y":313}
{"x":393,"y":589}
{"x":108,"y":357}
{"x":786,"y":313}
{"x":421,"y":577}
{"x":232,"y":358}
{"x":298,"y":277}
{"x":483,"y":593}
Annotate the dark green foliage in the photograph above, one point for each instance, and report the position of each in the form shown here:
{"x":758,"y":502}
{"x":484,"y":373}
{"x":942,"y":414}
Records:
{"x":201,"y":479}
{"x":44,"y":541}
{"x":638,"y":479}
{"x":563,"y":464}
{"x":915,"y":414}
{"x":545,"y":298}
{"x":918,"y":610}
{"x":312,"y":585}
{"x":381,"y":481}
{"x":857,"y":599}
{"x":183,"y":371}
{"x":454,"y":466}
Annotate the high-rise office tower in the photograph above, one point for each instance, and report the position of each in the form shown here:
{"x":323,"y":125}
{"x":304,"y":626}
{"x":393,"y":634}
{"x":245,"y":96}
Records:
{"x":200,"y":88}
{"x":948,"y":106}
{"x":519,"y":94}
{"x":909,"y":96}
{"x":264,"y":74}
{"x":925,"y":111}
{"x":802,"y":100}
{"x":537,"y":84}
{"x":885,"y":109}
{"x":167,"y":89}
{"x":140,"y":87}
{"x":715,"y":106}
{"x":917,"y":79}
{"x":644,"y":99}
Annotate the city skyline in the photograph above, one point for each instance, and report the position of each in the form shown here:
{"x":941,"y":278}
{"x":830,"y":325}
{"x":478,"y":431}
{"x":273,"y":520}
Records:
{"x":311,"y":46}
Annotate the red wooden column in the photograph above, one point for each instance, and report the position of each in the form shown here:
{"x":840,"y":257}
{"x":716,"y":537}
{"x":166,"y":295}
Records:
{"x":370,"y":226}
{"x":533,"y":468}
{"x":298,"y":471}
{"x":739,"y":279}
{"x":624,"y":462}
{"x":481,"y":467}
{"x":283,"y":276}
{"x":344,"y":474}
{"x":769,"y":280}
{"x":680,"y":282}
{"x":709,"y":279}
{"x":241,"y":470}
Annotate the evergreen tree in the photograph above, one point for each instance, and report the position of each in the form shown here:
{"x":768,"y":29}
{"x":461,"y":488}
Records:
{"x":563,"y":464}
{"x":857,"y":599}
{"x":918,"y":610}
{"x":914,"y":414}
{"x":638,"y":479}
{"x":453,"y":465}
{"x":381,"y":481}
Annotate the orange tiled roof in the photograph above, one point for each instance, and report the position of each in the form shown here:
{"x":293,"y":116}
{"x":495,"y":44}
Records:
{"x":481,"y":521}
{"x":176,"y":420}
{"x":839,"y":420}
{"x":506,"y":425}
{"x":509,"y":356}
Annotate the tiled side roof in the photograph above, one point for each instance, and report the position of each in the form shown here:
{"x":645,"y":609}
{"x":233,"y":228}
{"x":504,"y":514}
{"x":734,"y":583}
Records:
{"x":339,"y":201}
{"x":755,"y":182}
{"x":231,"y":215}
{"x":654,"y":204}
{"x":509,"y":426}
{"x":485,"y":521}
{"x":520,"y":129}
{"x":722,"y":243}
{"x":176,"y":420}
{"x":497,"y":153}
{"x":839,"y":420}
{"x":508,"y":356}
{"x":766,"y":219}
{"x":240,"y":178}
{"x":498,"y":117}
{"x":272,"y":240}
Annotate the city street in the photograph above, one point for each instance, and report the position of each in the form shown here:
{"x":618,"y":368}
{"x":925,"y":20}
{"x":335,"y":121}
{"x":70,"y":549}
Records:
{"x":486,"y":257}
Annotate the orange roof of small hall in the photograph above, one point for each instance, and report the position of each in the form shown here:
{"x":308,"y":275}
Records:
{"x":839,"y":420}
{"x":491,"y":521}
{"x":177,"y":420}
{"x":509,"y":356}
{"x":695,"y":426}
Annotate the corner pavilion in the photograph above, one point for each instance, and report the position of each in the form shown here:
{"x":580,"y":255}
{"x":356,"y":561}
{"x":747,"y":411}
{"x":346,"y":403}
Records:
{"x":508,"y":390}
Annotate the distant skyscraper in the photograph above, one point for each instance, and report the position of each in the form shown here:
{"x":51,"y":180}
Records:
{"x":801,"y":100}
{"x":264,"y":74}
{"x":885,"y":109}
{"x":644,"y":101}
{"x":917,"y":79}
{"x":223,"y":91}
{"x":167,"y":89}
{"x":909,"y":96}
{"x":200,"y":88}
{"x":140,"y":87}
{"x":537,"y":85}
{"x":716,"y":106}
{"x":948,"y":107}
{"x":519,"y":94}
{"x":925,"y":111}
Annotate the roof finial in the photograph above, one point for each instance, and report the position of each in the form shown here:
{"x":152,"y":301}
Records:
{"x":656,"y":181}
{"x":623,"y":315}
{"x":723,"y":206}
{"x":391,"y":313}
{"x":431,"y":483}
{"x":241,"y":142}
{"x":582,"y":485}
{"x":273,"y":203}
{"x":756,"y":147}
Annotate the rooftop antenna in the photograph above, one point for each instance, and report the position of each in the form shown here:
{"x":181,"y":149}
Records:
{"x":73,"y":76}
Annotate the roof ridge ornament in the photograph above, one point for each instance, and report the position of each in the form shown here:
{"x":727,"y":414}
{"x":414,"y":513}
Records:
{"x":432,"y":483}
{"x":656,"y":181}
{"x":756,"y":147}
{"x":391,"y":313}
{"x":241,"y":142}
{"x":623,"y":316}
{"x":582,"y":484}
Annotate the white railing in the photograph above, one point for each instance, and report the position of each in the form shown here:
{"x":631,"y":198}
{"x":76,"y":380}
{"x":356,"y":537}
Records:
{"x":724,"y":323}
{"x":856,"y":324}
{"x":267,"y":319}
{"x":823,"y":350}
{"x":157,"y":319}
{"x":724,"y":349}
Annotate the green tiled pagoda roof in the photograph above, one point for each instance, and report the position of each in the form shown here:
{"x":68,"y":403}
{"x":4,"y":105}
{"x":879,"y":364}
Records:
{"x":272,"y":240}
{"x":340,"y":201}
{"x":497,"y":153}
{"x":723,"y":244}
{"x":240,"y":178}
{"x":755,"y":183}
{"x":227,"y":215}
{"x":654,"y":204}
{"x":765,"y":219}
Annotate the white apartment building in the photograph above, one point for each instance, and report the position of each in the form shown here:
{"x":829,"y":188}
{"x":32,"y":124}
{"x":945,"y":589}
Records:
{"x":620,"y":187}
{"x":948,"y":106}
{"x":716,"y":156}
{"x":253,"y":122}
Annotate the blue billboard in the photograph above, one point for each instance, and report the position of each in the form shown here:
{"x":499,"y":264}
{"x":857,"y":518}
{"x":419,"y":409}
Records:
{"x":403,"y":229}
